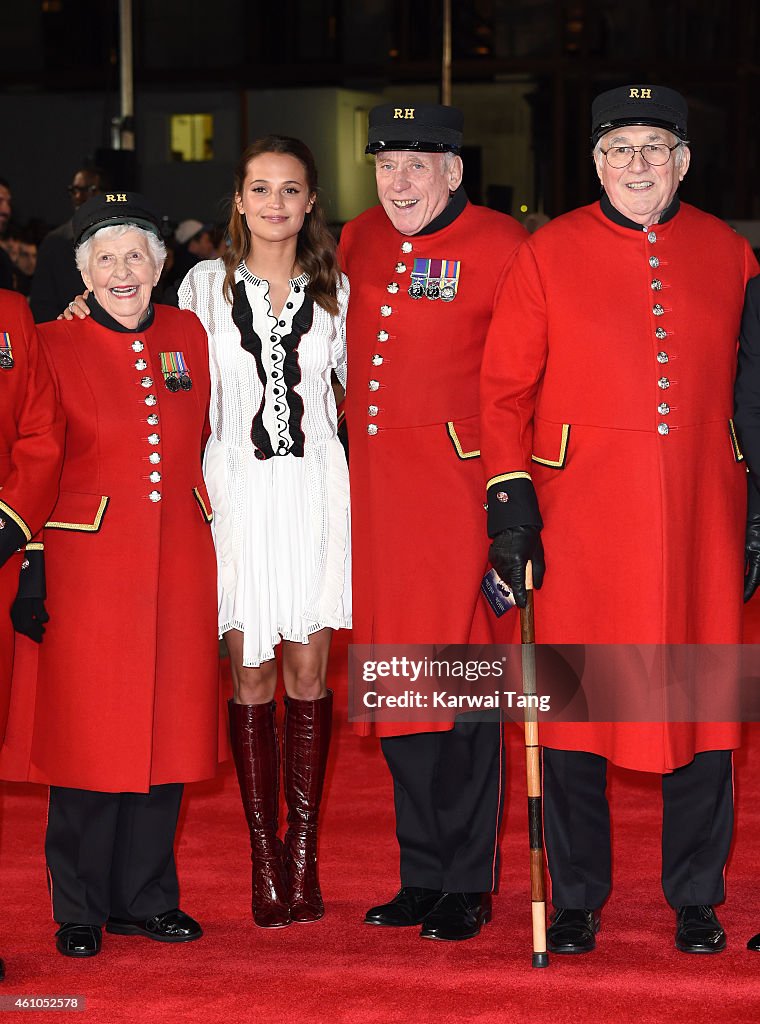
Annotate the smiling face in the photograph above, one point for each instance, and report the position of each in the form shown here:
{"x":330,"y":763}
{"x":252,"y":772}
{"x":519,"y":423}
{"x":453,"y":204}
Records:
{"x":275,"y":197}
{"x":639,"y":191}
{"x":414,"y":188}
{"x":121,"y":274}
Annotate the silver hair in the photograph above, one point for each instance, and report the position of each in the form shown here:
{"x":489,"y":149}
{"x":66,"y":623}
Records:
{"x":156,"y":246}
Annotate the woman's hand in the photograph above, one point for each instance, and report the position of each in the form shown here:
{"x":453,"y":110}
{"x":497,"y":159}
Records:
{"x":76,"y":308}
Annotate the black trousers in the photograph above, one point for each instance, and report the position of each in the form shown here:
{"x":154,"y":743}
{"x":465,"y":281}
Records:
{"x":112,"y":854}
{"x":697,"y":824}
{"x":448,"y":792}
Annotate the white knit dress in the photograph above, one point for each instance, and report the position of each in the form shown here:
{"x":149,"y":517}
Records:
{"x":275,"y":470}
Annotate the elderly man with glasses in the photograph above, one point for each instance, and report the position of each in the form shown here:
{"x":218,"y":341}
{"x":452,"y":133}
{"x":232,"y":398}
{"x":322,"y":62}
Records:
{"x":607,"y":441}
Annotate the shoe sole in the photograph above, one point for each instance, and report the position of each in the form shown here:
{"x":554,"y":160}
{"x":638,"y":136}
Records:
{"x":570,"y":950}
{"x":389,"y":924}
{"x":700,"y":951}
{"x":126,"y":929}
{"x":455,"y":938}
{"x":78,"y":956}
{"x":451,"y":938}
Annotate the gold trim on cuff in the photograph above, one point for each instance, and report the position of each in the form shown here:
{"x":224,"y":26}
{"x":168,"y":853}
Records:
{"x":504,"y":477}
{"x":16,"y":519}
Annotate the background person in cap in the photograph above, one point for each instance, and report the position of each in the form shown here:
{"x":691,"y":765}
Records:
{"x":424,"y":267}
{"x":32,"y":429}
{"x":194,"y":243}
{"x":56,"y":276}
{"x":123,"y":708}
{"x":607,"y":391}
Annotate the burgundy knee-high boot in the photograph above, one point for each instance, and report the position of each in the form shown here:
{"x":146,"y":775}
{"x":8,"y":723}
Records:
{"x":256,"y":752}
{"x":308,"y":724}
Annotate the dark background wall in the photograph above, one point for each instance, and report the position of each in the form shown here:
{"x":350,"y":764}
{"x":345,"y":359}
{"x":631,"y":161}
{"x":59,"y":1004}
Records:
{"x":525,"y":71}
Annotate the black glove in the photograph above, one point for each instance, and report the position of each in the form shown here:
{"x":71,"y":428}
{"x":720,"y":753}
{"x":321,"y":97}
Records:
{"x":752,"y":555}
{"x":510,"y":553}
{"x":28,"y":613}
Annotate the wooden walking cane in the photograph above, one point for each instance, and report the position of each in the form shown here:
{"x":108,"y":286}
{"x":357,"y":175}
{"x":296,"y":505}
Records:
{"x":533,"y":766}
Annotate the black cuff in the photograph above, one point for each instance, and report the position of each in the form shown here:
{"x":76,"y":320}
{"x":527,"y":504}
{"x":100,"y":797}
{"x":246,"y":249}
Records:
{"x":12,"y":537}
{"x":512,"y":503}
{"x":31,"y":580}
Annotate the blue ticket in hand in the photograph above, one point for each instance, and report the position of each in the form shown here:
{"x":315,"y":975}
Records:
{"x":497,"y":593}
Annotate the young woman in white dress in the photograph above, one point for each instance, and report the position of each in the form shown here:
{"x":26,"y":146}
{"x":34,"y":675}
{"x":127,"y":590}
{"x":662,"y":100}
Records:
{"x":274,"y":309}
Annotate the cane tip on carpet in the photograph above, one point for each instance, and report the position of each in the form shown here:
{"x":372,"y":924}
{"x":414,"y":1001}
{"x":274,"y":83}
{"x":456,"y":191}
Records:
{"x":540,"y":960}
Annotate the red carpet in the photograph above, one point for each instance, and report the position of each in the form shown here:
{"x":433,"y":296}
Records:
{"x":340,"y":970}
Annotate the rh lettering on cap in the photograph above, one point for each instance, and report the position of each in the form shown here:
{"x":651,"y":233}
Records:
{"x":640,"y":94}
{"x":116,"y":197}
{"x":403,"y":112}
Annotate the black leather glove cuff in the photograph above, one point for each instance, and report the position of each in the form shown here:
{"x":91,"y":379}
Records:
{"x":12,"y":537}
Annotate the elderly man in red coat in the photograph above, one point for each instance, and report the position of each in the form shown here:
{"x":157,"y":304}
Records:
{"x":607,"y":391}
{"x":31,"y":454}
{"x":424,"y":268}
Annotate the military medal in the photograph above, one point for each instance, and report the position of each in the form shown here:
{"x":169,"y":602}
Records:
{"x":435,"y":279}
{"x":6,"y":352}
{"x":175,"y":371}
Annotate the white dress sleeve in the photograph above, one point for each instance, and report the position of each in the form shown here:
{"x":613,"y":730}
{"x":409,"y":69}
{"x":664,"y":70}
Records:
{"x":339,"y":347}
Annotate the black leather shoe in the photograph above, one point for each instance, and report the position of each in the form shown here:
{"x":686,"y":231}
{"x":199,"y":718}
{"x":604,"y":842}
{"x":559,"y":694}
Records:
{"x":171,"y":926}
{"x":754,"y":943}
{"x":698,"y":930}
{"x":410,"y":906}
{"x":573,"y":931}
{"x":457,"y":916}
{"x":78,"y":939}
{"x":2,"y":970}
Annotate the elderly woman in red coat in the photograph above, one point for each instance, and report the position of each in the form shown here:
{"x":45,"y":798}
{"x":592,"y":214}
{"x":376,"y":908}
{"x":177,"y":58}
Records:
{"x":126,"y":683}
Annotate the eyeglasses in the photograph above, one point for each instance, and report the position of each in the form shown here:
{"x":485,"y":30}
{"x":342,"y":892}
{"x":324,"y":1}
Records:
{"x":656,"y":154}
{"x":71,"y":189}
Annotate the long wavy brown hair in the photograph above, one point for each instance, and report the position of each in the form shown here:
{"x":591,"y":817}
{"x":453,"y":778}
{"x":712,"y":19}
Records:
{"x":315,"y":250}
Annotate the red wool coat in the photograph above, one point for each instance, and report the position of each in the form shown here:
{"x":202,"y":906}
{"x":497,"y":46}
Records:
{"x":413,"y":417}
{"x":608,"y":377}
{"x":127,"y":676}
{"x":31,"y":453}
